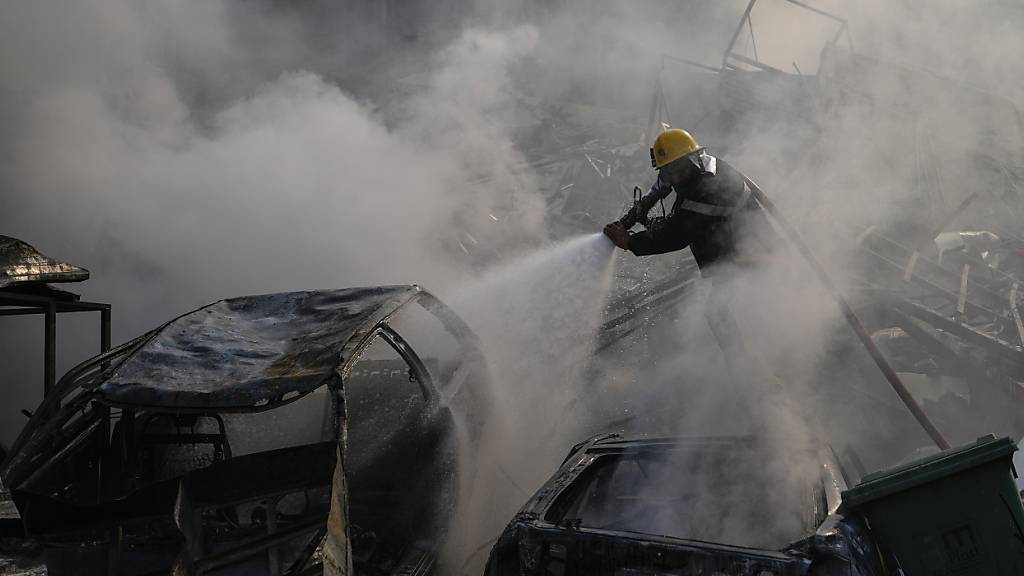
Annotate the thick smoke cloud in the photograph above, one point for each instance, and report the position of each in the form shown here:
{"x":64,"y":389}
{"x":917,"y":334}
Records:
{"x":188,"y":151}
{"x":184,"y":163}
{"x":184,"y":154}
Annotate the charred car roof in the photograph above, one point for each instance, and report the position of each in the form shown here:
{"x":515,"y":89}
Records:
{"x":239,"y":352}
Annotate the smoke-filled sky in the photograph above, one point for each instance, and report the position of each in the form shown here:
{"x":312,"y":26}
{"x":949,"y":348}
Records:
{"x":189,"y":151}
{"x":185,"y":153}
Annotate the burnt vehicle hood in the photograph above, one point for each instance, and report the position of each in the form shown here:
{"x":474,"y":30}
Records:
{"x":239,"y":352}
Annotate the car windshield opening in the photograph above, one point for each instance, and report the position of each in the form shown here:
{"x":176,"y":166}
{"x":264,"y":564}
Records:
{"x":715,"y":496}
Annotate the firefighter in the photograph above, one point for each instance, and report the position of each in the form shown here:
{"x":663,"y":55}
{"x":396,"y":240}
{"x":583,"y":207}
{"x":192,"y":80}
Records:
{"x":713,"y":214}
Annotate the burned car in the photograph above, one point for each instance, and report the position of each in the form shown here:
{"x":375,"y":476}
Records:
{"x":286,"y":433}
{"x":686,"y":506}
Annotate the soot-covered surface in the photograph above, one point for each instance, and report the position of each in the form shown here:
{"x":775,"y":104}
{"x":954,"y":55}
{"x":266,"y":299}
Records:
{"x":239,"y":352}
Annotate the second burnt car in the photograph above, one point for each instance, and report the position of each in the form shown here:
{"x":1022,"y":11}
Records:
{"x":687,"y":507}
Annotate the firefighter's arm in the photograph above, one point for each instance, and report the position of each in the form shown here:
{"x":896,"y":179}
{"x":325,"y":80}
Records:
{"x":673,"y":233}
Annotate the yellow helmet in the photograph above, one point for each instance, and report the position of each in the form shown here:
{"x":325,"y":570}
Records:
{"x":671,"y":145}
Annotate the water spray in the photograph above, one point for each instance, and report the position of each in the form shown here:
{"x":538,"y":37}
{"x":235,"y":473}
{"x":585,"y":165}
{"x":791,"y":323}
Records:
{"x":537,"y":318}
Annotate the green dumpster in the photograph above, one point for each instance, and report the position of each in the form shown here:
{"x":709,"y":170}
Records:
{"x":955,"y":513}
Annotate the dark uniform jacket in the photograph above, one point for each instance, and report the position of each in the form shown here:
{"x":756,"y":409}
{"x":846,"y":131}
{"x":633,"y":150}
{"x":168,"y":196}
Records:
{"x":713,"y":213}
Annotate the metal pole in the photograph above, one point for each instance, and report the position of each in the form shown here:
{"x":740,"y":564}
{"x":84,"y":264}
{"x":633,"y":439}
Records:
{"x":102,"y":440}
{"x":105,"y":329}
{"x":817,"y":11}
{"x":21,"y":311}
{"x":753,"y":42}
{"x":736,"y":34}
{"x":105,"y":334}
{"x":50,"y":349}
{"x":851,"y":318}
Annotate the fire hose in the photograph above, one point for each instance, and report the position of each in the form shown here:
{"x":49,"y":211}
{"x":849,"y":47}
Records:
{"x":851,"y":318}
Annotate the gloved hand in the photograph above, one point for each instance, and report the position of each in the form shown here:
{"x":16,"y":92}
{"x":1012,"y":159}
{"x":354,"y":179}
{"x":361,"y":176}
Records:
{"x":617,"y":233}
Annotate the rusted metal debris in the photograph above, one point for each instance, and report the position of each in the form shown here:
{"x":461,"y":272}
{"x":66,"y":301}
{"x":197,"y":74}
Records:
{"x":21,"y":262}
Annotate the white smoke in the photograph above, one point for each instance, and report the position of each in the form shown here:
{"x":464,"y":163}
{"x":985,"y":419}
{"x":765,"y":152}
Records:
{"x":182,"y":154}
{"x":187,"y":151}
